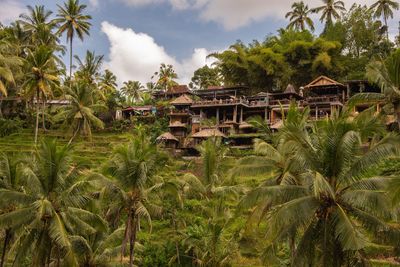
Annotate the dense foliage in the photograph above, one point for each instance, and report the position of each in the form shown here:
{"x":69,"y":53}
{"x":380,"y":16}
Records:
{"x":320,"y":193}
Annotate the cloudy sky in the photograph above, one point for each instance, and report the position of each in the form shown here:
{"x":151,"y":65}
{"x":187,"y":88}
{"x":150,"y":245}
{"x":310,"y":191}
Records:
{"x":137,"y":35}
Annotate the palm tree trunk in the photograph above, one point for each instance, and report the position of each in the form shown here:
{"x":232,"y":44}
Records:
{"x":6,"y":241}
{"x":70,"y":62}
{"x":76,"y":132}
{"x":387,"y":29}
{"x":37,"y":116}
{"x":133,"y":239}
{"x":43,"y":110}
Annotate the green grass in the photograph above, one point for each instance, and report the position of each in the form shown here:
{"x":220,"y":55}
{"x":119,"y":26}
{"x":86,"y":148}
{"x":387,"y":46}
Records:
{"x":95,"y":151}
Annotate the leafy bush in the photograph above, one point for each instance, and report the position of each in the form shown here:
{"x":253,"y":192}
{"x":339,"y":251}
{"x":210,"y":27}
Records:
{"x":8,"y":127}
{"x":121,"y":125}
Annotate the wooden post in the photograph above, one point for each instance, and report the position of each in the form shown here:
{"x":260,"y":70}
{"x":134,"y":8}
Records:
{"x":241,"y":114}
{"x":235,"y":114}
{"x":217,"y":116}
{"x":266,"y":114}
{"x":272,"y":117}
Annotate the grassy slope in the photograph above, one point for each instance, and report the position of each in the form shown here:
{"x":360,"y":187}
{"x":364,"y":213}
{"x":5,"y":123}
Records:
{"x":96,"y":151}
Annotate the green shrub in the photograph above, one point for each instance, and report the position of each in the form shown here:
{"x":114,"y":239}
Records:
{"x":121,"y":125}
{"x":8,"y":127}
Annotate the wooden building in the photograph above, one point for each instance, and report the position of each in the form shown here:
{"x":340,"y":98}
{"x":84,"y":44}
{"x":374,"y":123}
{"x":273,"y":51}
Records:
{"x":224,"y":111}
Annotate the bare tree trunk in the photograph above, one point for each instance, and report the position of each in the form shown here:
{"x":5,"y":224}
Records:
{"x":133,"y":239}
{"x":37,"y":116}
{"x":6,"y":241}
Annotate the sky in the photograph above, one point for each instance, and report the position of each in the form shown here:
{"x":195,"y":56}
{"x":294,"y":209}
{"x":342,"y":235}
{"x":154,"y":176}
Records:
{"x":135,"y":36}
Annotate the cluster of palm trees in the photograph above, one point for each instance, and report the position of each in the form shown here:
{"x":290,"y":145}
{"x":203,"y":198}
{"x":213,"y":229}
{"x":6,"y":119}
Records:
{"x":331,"y":10}
{"x":318,"y":197}
{"x":31,"y":67}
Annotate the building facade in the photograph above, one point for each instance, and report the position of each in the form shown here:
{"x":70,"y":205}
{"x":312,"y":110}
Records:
{"x":224,"y":111}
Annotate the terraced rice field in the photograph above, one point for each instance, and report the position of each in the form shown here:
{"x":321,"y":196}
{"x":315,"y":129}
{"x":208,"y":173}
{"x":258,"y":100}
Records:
{"x":95,"y":151}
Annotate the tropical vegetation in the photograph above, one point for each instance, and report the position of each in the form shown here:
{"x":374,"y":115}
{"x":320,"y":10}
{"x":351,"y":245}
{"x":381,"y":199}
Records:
{"x":83,"y":188}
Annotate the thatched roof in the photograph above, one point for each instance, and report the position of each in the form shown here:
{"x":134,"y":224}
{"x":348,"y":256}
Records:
{"x":206,"y":133}
{"x":182,"y":100}
{"x":323,"y":81}
{"x":167,"y":136}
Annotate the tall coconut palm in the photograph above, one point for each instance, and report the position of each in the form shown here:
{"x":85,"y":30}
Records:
{"x":89,"y":68}
{"x":132,"y":90}
{"x":299,"y":17}
{"x":79,"y":115}
{"x":41,"y":77}
{"x":50,"y":207}
{"x":36,"y":17}
{"x":130,"y":168}
{"x":73,"y":21}
{"x":330,"y":11}
{"x":337,"y":206}
{"x":384,"y":8}
{"x":166,"y":77}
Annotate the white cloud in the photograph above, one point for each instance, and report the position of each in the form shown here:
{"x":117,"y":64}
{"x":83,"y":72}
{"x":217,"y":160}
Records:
{"x":136,"y":56}
{"x":94,"y":3}
{"x":10,"y":10}
{"x":233,"y":14}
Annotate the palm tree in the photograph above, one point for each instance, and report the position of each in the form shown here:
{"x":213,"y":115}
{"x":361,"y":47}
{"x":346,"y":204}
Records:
{"x":210,"y":244}
{"x":386,"y":75}
{"x":330,"y":11}
{"x":132,"y":90}
{"x":337,"y":206}
{"x":384,"y":8}
{"x":36,"y":18}
{"x":79,"y":115}
{"x":211,"y":183}
{"x":97,"y":250}
{"x":89,"y":69}
{"x":73,"y":21}
{"x":166,"y":77}
{"x":8,"y":63}
{"x":131,"y":168}
{"x":9,"y":180}
{"x":108,"y":82}
{"x":299,"y":18}
{"x":41,"y":77}
{"x":50,"y":207}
